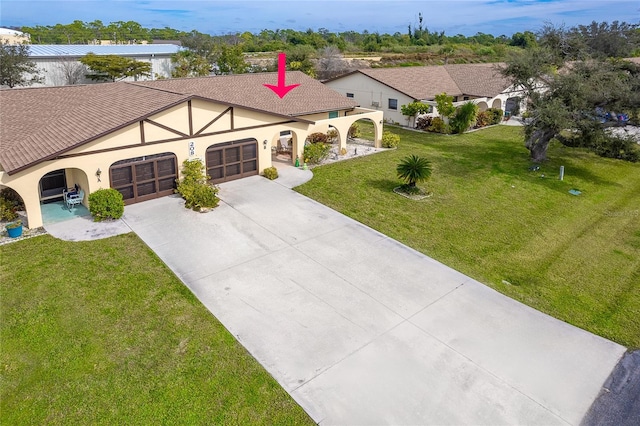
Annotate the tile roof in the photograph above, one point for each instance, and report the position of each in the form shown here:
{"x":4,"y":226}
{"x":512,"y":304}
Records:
{"x":426,"y":82}
{"x":37,"y":124}
{"x":248,"y":90}
{"x":478,"y":79}
{"x":416,"y":82}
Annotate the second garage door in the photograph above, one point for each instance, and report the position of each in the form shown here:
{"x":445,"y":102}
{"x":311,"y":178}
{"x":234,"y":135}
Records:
{"x":232,"y":160}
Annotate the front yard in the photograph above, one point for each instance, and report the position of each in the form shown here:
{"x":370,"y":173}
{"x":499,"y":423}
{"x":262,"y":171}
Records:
{"x":517,"y":230}
{"x":102,"y":332}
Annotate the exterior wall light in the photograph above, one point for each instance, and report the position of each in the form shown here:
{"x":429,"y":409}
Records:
{"x":98,"y":173}
{"x":264,"y":144}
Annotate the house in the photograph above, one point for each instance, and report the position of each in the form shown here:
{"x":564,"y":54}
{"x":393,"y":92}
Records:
{"x":134,"y":136}
{"x":387,"y":89}
{"x":59,"y":63}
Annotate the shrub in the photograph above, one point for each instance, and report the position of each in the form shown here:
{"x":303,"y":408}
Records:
{"x":414,"y":169}
{"x":106,"y":203}
{"x":414,"y":108}
{"x":317,"y":138}
{"x":424,"y":122}
{"x":194,"y":187}
{"x":11,"y":195}
{"x":464,"y":117}
{"x":495,"y":114}
{"x":390,"y":140}
{"x":7,"y":210}
{"x":316,"y":152}
{"x":483,"y":119}
{"x":438,"y":125}
{"x":620,"y":147}
{"x":332,"y":135}
{"x":271,"y":173}
{"x":354,"y":131}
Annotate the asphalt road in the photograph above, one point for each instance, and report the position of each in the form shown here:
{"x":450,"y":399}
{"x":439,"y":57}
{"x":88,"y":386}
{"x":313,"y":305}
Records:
{"x":619,"y":400}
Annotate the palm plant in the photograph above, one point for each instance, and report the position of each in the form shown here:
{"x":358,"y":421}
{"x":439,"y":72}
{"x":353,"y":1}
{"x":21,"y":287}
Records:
{"x":414,"y":169}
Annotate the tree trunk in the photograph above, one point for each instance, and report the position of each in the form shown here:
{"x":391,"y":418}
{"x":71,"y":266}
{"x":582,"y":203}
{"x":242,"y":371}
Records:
{"x":538,"y":143}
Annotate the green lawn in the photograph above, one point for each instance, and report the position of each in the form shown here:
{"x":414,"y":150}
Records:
{"x":102,"y":332}
{"x":576,"y":258}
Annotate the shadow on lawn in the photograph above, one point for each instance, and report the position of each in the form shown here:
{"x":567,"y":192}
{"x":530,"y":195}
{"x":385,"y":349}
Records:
{"x":386,"y":185}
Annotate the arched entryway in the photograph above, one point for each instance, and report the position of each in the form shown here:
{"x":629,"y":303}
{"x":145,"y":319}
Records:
{"x":482,"y":106}
{"x":12,"y":206}
{"x":232,"y":160}
{"x":512,"y":106}
{"x":363,"y":131}
{"x":497,"y":104}
{"x":144,"y":178}
{"x":51,"y":189}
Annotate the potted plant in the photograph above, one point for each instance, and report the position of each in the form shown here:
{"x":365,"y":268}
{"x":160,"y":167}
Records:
{"x":8,"y":213}
{"x":14,"y":229}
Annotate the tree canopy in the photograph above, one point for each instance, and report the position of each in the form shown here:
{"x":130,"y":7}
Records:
{"x":113,"y":67}
{"x":187,"y":63}
{"x":16,"y":69}
{"x":576,"y":90}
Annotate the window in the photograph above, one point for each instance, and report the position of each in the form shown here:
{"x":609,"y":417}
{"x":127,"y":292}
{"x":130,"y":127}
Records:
{"x":455,"y":99}
{"x":349,"y":95}
{"x":333,"y":114}
{"x":393,"y":104}
{"x":466,"y":98}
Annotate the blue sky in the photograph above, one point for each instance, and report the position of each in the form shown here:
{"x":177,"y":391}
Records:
{"x":221,"y":17}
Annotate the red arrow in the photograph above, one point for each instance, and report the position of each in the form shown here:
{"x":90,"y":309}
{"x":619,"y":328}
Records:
{"x":282,"y":89}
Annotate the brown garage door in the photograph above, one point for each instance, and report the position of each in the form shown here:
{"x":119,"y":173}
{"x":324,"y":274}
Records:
{"x":144,"y":178}
{"x":232,"y":160}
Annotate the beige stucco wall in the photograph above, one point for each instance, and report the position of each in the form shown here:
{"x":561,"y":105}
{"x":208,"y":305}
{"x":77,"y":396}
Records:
{"x":367,"y":92}
{"x":82,"y":163}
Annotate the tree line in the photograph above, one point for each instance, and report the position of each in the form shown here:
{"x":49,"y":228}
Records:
{"x":417,"y":36}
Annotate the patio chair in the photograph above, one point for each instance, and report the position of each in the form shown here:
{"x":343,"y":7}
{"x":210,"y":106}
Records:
{"x":72,"y":198}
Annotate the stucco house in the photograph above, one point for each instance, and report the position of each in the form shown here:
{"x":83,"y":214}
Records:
{"x":387,"y":89}
{"x":134,"y":136}
{"x":58,"y":62}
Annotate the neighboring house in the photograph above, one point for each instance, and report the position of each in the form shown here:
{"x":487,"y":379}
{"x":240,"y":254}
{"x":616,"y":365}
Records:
{"x":13,"y":36}
{"x":58,"y":63}
{"x":134,"y":137}
{"x":387,"y":89}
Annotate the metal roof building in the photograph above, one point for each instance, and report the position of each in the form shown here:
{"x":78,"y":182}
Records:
{"x":59,"y":65}
{"x":77,"y":50}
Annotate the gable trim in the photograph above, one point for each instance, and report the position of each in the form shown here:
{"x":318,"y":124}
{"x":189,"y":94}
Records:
{"x":186,"y":137}
{"x":219,"y":116}
{"x":167,"y":128}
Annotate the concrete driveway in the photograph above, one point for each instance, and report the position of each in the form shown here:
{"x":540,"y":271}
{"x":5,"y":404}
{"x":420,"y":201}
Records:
{"x":361,"y":329}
